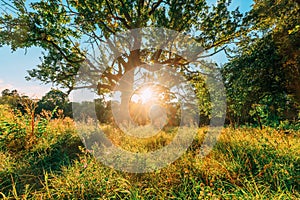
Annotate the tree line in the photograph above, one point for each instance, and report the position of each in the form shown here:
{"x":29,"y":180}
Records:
{"x":56,"y":102}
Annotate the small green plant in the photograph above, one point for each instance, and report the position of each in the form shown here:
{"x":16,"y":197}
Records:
{"x":12,"y":130}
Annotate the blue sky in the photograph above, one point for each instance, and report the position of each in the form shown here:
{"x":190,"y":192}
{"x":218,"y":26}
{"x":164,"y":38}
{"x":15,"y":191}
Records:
{"x":14,"y":66}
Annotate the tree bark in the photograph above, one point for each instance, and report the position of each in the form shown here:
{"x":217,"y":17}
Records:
{"x":126,"y":89}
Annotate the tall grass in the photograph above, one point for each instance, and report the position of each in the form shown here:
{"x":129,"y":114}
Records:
{"x":246,"y":163}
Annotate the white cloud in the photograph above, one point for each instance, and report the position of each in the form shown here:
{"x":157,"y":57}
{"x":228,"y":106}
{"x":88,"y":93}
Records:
{"x":31,"y":90}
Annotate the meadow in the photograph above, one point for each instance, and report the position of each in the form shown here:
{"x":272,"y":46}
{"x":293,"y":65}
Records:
{"x":44,"y":158}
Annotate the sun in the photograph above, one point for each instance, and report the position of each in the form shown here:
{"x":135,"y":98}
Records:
{"x":144,"y":96}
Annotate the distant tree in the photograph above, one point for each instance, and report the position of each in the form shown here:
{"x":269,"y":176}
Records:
{"x":54,"y":100}
{"x":103,"y":110}
{"x":6,"y":92}
{"x":97,"y":109}
{"x":14,"y":99}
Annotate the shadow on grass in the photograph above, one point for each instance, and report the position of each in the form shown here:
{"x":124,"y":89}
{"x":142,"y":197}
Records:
{"x":31,"y":166}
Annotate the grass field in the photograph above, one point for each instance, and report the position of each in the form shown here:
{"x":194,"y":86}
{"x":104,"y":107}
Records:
{"x":45,"y":159}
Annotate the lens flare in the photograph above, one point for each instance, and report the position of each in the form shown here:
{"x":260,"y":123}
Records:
{"x":144,"y":96}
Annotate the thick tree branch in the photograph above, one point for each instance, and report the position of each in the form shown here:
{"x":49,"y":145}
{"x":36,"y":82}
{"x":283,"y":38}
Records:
{"x":154,"y":7}
{"x":122,"y":20}
{"x":127,"y":16}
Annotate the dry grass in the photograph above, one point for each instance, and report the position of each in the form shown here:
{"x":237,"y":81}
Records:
{"x":246,"y":163}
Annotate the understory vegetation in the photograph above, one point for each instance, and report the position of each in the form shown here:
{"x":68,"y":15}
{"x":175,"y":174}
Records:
{"x":44,"y":158}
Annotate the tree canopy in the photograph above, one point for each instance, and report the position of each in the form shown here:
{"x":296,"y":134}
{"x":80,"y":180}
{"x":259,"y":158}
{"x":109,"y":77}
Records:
{"x":54,"y":100}
{"x":62,"y":28}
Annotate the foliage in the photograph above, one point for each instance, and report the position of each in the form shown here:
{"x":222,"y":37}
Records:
{"x":252,"y":78}
{"x":103,"y":110}
{"x":55,"y":100}
{"x":13,"y":132}
{"x":280,"y":20}
{"x":262,"y":79}
{"x":15,"y":99}
{"x":97,"y":110}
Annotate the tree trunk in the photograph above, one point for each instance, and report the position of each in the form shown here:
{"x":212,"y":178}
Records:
{"x":259,"y":122}
{"x":126,"y":89}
